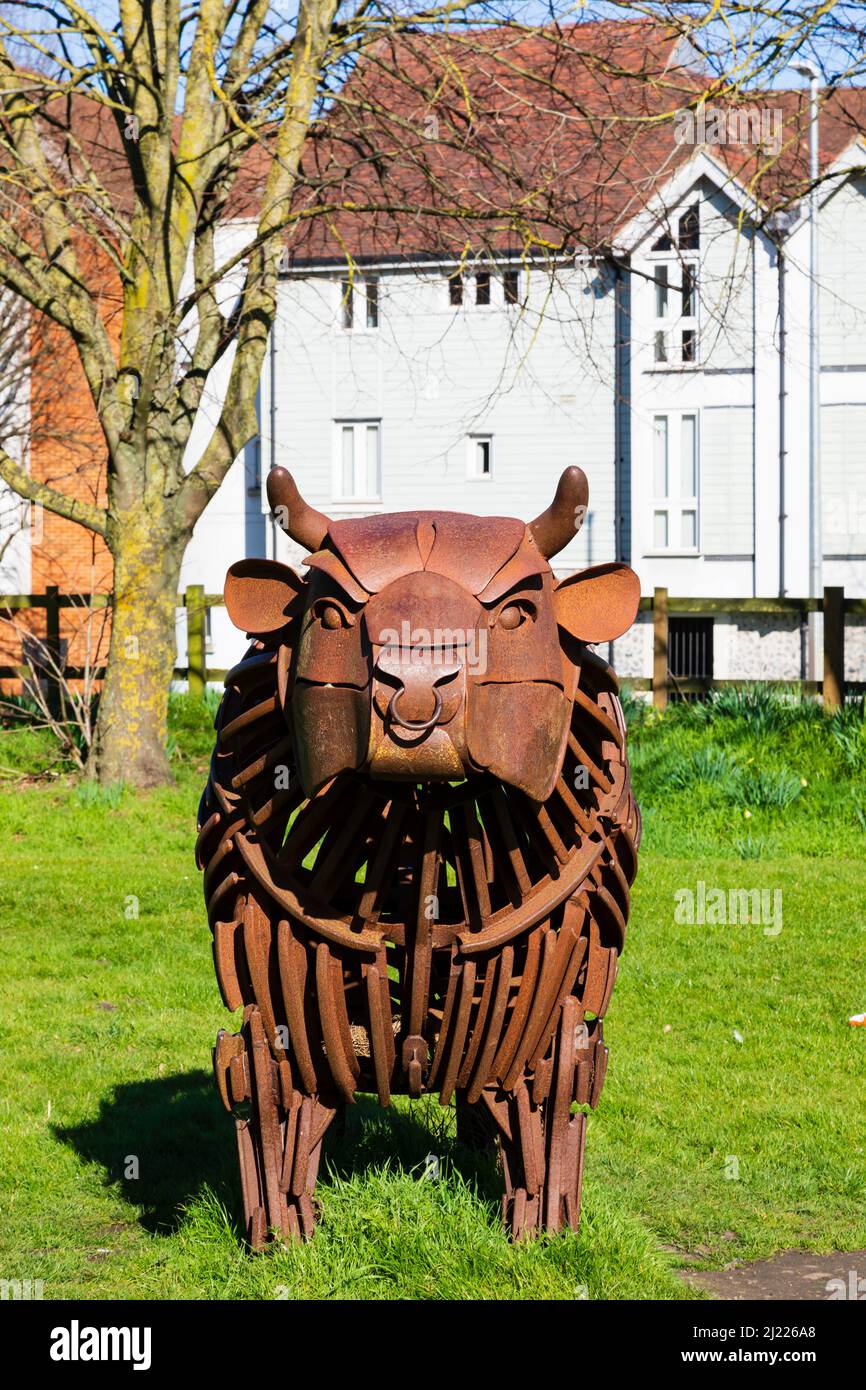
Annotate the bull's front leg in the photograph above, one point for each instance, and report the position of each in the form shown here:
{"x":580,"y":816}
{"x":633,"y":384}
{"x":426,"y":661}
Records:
{"x":542,"y":1153}
{"x":541,"y":1135}
{"x":280,"y":1130}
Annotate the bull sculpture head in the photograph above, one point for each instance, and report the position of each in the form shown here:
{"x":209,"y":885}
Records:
{"x":430,"y":646}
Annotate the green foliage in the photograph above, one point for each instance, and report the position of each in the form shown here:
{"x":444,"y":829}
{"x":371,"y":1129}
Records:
{"x":192,"y":712}
{"x":710,"y":766}
{"x":758,"y":709}
{"x":767,"y":787}
{"x":17,"y":708}
{"x":637,"y":710}
{"x":704,"y":768}
{"x":190,"y":723}
{"x":848,"y":729}
{"x":29,"y":749}
{"x":745,"y":847}
{"x":90,"y":793}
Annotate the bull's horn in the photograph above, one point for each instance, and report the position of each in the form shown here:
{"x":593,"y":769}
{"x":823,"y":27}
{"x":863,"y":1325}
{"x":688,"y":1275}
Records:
{"x":564,"y":517}
{"x":297,"y":518}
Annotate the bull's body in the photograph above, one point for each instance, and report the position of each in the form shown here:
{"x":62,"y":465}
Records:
{"x":417,"y":862}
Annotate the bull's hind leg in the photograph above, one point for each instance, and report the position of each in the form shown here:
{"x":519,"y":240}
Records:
{"x":541,"y":1138}
{"x":279,"y":1133}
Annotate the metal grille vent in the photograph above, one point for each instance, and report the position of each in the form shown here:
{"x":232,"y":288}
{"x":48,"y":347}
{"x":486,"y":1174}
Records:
{"x":690,"y":648}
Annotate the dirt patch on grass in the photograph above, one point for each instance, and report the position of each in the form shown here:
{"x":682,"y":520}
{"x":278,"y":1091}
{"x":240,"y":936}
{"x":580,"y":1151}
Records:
{"x":795,"y":1274}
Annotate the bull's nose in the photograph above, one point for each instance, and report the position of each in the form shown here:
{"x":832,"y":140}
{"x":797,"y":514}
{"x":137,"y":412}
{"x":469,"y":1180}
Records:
{"x":417,"y":699}
{"x":396,"y":717}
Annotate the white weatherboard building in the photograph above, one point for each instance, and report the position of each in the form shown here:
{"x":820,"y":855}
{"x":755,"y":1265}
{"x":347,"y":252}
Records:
{"x":674,"y":371}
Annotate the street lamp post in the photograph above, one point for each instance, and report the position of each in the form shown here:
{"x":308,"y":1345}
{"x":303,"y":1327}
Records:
{"x":808,"y":69}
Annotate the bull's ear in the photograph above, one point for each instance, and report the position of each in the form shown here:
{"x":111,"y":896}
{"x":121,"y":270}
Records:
{"x":262,"y":595}
{"x":598,"y":604}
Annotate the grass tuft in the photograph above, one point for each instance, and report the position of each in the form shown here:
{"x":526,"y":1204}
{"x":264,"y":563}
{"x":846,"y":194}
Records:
{"x":90,"y":793}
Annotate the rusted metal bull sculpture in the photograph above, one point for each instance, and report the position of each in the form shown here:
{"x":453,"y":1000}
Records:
{"x":418,"y":839}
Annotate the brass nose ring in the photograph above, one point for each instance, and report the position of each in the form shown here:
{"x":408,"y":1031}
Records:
{"x":417,"y":724}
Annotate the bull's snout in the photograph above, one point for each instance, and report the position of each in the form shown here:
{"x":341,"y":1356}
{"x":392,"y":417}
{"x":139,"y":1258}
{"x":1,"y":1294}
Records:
{"x":423,"y":685}
{"x":422,"y":629}
{"x":417,"y":729}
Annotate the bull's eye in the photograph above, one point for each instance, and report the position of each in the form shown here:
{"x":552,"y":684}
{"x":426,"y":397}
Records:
{"x":514,"y":615}
{"x":331,"y":615}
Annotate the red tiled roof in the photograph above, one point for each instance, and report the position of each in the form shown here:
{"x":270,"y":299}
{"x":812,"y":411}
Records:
{"x":470,"y":140}
{"x":490,"y":138}
{"x":441,"y":144}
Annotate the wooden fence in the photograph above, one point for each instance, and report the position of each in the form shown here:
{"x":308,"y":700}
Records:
{"x":834,"y":606}
{"x":193,"y":599}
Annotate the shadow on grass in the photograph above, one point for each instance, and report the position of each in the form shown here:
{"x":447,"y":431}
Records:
{"x":162,"y":1141}
{"x":180,"y":1136}
{"x":408,"y":1137}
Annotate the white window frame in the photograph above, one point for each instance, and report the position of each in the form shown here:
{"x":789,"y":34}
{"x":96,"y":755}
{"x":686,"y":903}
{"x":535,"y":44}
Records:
{"x":483,"y":272}
{"x":359,"y":428}
{"x":353,"y":295}
{"x":462,"y":278}
{"x":469,"y":290}
{"x":473,"y":473}
{"x":367,"y":299}
{"x":675,"y":503}
{"x":672,"y":323}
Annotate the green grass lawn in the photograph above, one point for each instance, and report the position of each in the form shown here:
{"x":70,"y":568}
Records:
{"x":732,"y":1120}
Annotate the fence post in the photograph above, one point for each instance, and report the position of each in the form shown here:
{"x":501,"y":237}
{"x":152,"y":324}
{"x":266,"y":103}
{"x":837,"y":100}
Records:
{"x":196,"y":632}
{"x":53,"y":651}
{"x":660,"y":649}
{"x":834,"y":647}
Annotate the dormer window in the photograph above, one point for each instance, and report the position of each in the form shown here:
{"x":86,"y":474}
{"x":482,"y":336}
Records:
{"x":675,"y":338}
{"x":689,"y":229}
{"x":688,"y":236}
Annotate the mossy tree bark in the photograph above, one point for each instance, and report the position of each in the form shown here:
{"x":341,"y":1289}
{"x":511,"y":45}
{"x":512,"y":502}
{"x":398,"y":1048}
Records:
{"x":131,"y":728}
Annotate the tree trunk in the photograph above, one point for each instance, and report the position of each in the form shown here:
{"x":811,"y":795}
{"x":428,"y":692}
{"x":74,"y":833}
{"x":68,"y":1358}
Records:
{"x":131,"y":728}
